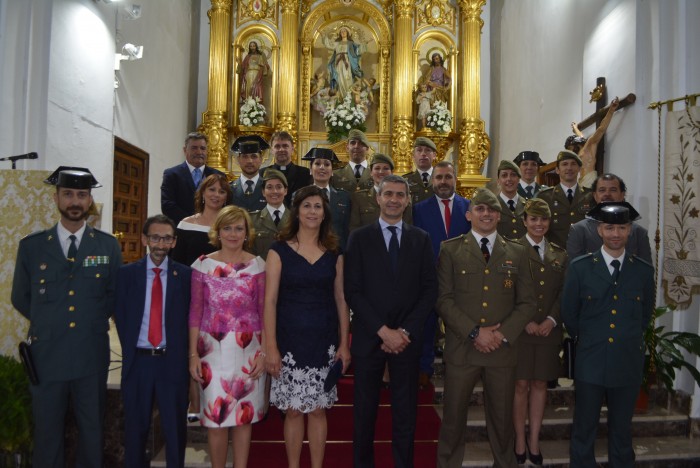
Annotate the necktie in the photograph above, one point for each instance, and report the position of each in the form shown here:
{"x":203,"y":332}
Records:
{"x":485,"y":249}
{"x":448,"y":216}
{"x":528,"y":191}
{"x":326,"y":193}
{"x":277,"y":217}
{"x":511,"y":205}
{"x":248,"y":187}
{"x":570,"y":195}
{"x":425,"y":179}
{"x":155,"y":323}
{"x":537,"y":249}
{"x":616,"y":272}
{"x":358,"y":171}
{"x":197,"y":176}
{"x":72,"y":249}
{"x":394,"y":247}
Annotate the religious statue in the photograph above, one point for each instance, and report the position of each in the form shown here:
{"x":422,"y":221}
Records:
{"x":320,"y":93}
{"x":344,"y":64}
{"x":253,"y":69}
{"x":424,"y":101}
{"x":437,"y":79}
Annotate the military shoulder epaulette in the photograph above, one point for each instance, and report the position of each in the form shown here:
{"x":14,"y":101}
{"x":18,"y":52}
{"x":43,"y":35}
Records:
{"x":454,"y":239}
{"x":103,"y":233}
{"x":543,"y":189}
{"x":582,"y":257}
{"x":557,"y":246}
{"x":637,"y":257}
{"x":34,"y":234}
{"x":407,"y":174}
{"x":254,"y":213}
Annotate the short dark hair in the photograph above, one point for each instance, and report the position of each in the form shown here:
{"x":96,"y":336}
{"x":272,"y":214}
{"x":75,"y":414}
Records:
{"x":282,"y":135}
{"x":393,"y":179}
{"x":196,"y":136}
{"x":444,"y":163}
{"x":158,"y":219}
{"x":609,"y":176}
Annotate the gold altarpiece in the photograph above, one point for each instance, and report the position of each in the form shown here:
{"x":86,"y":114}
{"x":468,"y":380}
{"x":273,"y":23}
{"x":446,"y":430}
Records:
{"x":393,"y":59}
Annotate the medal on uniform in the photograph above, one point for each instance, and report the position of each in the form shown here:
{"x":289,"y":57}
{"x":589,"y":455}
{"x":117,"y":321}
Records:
{"x":43,"y":266}
{"x":508,"y":282}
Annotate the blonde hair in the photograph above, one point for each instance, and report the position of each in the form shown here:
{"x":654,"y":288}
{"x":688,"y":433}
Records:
{"x":227,"y":216}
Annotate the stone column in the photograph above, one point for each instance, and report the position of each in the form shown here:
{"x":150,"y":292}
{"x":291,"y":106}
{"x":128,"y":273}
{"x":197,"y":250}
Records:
{"x":402,"y":99}
{"x":288,"y":82}
{"x":215,"y":118}
{"x":474,"y":143}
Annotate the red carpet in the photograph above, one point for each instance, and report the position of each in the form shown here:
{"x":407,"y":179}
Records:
{"x":267,"y":448}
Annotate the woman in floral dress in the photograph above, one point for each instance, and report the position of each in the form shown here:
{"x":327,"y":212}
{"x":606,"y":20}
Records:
{"x":306,"y":321}
{"x":228,"y":289}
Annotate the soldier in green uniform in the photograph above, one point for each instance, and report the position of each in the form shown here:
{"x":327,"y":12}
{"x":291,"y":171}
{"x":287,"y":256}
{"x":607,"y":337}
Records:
{"x":529,"y":163}
{"x":354,"y":176}
{"x":272,"y":217}
{"x":607,"y":303}
{"x":486,"y":296}
{"x":512,"y":205}
{"x":419,"y":181}
{"x":538,"y":347}
{"x":64,"y":284}
{"x":568,"y":201}
{"x":365,"y":209}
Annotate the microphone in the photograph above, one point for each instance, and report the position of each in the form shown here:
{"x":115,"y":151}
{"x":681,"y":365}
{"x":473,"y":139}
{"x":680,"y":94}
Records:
{"x":31,"y":155}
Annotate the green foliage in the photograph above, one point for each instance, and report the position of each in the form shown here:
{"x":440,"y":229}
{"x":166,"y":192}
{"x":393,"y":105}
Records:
{"x":15,"y":407}
{"x":664,"y":352}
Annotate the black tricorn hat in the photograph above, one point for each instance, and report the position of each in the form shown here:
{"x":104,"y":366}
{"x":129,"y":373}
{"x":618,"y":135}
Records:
{"x":249,"y":144}
{"x":320,"y":153}
{"x":613,"y":213}
{"x":73,"y":177}
{"x":528,"y":156}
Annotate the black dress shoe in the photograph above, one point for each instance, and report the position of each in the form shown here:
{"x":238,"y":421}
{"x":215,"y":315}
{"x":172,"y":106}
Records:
{"x":535,"y":459}
{"x":520,"y":457}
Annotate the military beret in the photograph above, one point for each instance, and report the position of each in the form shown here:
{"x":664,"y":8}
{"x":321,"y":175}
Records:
{"x":423,"y":141}
{"x":382,"y":158}
{"x":603,"y":209}
{"x":566,"y":154}
{"x":247,"y":144}
{"x":505,"y":164}
{"x":320,"y":153}
{"x":356,"y":134}
{"x":271,"y":174}
{"x":72,"y":177}
{"x":528,"y":156}
{"x":484,"y":196}
{"x":537,"y":207}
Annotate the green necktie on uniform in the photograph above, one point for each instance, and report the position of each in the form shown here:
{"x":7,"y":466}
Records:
{"x":616,"y":269}
{"x":72,"y":249}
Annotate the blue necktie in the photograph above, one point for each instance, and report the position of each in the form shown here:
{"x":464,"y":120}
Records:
{"x":394,"y":247}
{"x":197,"y":176}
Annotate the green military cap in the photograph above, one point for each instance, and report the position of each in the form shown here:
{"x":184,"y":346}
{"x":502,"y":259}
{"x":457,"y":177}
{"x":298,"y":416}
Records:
{"x":271,"y":173}
{"x":537,"y":207}
{"x":566,"y":154}
{"x":505,"y":164}
{"x":356,"y":134}
{"x":484,"y":196}
{"x":423,"y":141}
{"x":382,"y":158}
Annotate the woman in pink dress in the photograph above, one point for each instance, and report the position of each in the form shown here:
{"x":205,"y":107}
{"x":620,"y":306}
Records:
{"x":228,"y":292}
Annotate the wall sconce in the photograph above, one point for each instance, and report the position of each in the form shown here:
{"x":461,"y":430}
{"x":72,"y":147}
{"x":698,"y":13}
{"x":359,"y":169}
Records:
{"x":129,"y":52}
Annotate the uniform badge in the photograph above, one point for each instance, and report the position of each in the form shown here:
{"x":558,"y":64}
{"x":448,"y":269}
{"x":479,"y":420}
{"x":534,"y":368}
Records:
{"x":43,"y":266}
{"x":50,"y":237}
{"x":508,"y":283}
{"x":42,"y":291}
{"x":174,"y":273}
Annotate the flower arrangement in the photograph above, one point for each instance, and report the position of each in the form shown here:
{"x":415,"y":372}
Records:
{"x":342,"y":118}
{"x":439,"y":118}
{"x":252,"y":112}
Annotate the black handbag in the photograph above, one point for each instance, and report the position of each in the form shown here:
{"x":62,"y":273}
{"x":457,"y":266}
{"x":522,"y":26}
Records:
{"x":25,"y":354}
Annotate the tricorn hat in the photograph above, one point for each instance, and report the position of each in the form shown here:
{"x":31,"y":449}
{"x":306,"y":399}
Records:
{"x":73,"y":177}
{"x":249,"y":144}
{"x":528,"y":156}
{"x":320,"y":153}
{"x":613,"y":213}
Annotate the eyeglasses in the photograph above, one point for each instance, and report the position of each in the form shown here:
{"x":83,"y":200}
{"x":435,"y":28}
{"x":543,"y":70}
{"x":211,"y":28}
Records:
{"x":167,"y":240}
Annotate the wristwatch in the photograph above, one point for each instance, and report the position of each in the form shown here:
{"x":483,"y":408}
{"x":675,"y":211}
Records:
{"x":474,"y":333}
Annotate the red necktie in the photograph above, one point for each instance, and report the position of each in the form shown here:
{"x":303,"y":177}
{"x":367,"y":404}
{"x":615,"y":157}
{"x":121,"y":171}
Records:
{"x":448,"y":216}
{"x":155,"y":324}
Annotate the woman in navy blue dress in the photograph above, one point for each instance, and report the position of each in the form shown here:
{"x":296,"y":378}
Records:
{"x":306,"y":321}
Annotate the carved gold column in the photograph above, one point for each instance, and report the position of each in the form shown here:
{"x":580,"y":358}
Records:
{"x":402,"y":133}
{"x":474,"y":143}
{"x":215,"y":118}
{"x":288,"y":81}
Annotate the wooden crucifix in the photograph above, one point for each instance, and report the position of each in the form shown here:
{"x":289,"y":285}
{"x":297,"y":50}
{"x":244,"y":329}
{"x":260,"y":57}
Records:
{"x":595,"y":146}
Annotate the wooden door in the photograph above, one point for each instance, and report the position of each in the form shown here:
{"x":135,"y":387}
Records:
{"x":130,"y":198}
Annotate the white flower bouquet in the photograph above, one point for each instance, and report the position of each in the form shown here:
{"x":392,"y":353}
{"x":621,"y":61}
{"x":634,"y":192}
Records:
{"x":340,"y":119}
{"x":439,"y":118}
{"x":252,"y":113}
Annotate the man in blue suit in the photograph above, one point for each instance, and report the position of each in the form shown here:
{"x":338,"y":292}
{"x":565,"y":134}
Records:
{"x":153,"y":298}
{"x":443,"y":216}
{"x":181,"y":181}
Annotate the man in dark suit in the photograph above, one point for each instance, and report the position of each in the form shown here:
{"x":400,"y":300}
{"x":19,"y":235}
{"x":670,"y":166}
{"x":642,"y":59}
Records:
{"x":424,"y":153}
{"x":354,"y":176}
{"x":583,"y":236}
{"x":269,"y":220}
{"x":512,"y":204}
{"x":568,"y":201}
{"x":529,"y":163}
{"x":443,"y":217}
{"x":282,"y":148}
{"x":247,"y":189}
{"x":486,"y":298}
{"x":64,"y":284}
{"x":153,"y":298}
{"x":607,"y":303}
{"x":390,"y":285}
{"x":181,"y":181}
{"x":322,"y":160}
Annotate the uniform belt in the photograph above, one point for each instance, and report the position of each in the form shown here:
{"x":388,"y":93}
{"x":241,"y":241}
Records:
{"x":151,"y":351}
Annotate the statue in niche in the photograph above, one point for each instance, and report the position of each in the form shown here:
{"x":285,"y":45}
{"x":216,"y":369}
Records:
{"x":437,"y":79}
{"x":344,"y":66}
{"x":253,"y":70}
{"x":424,"y":99}
{"x":321,"y":99}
